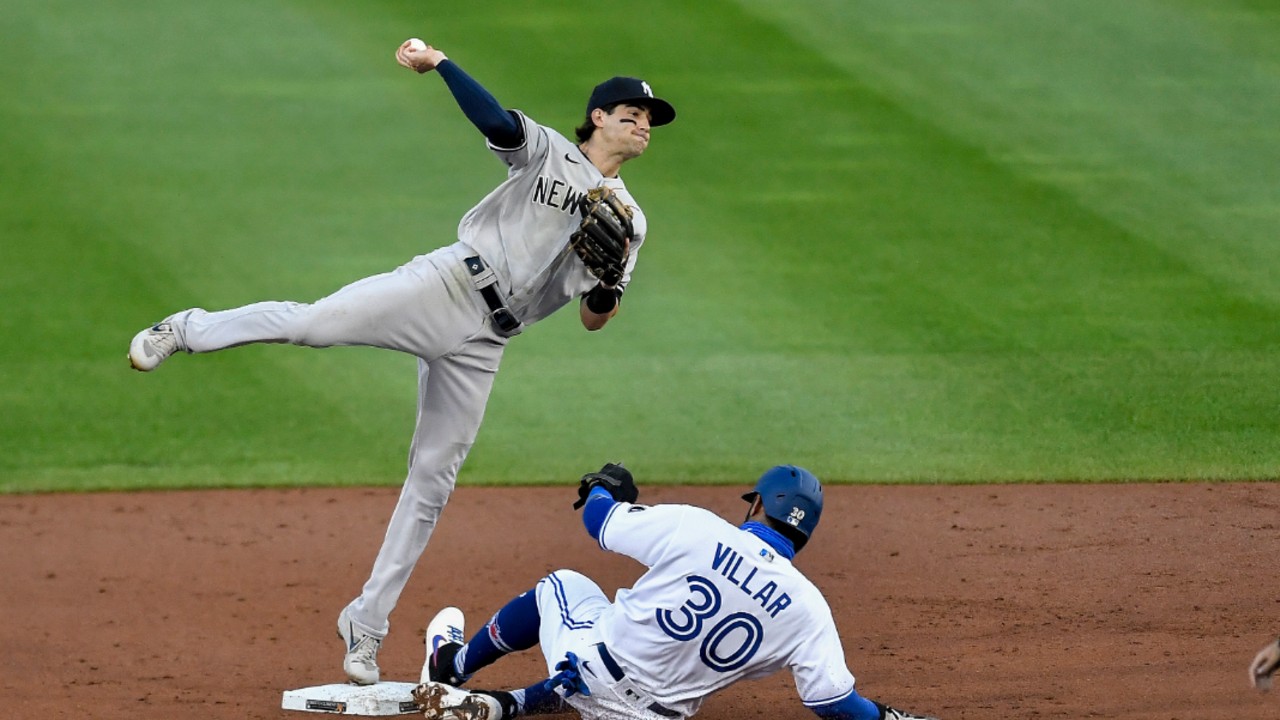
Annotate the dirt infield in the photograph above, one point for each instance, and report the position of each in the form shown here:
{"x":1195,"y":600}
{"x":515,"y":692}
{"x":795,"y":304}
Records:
{"x":995,"y":602}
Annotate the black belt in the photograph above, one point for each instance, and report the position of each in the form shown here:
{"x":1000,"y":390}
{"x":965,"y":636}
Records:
{"x":612,"y":666}
{"x":503,"y":318}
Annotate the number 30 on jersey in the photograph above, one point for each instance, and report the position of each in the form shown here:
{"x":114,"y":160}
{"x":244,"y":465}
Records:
{"x":730,"y":642}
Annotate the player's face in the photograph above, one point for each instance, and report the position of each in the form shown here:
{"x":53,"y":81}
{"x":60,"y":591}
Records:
{"x":627,"y":128}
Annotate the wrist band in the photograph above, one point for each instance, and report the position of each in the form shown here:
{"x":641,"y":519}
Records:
{"x":602,"y":300}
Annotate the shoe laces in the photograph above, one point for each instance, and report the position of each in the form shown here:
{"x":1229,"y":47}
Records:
{"x":366,"y":651}
{"x":163,"y":339}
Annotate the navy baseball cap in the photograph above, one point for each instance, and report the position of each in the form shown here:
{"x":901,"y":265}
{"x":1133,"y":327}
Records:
{"x":635,"y":92}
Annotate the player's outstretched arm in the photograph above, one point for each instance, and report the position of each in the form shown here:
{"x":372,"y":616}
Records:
{"x":483,"y":110}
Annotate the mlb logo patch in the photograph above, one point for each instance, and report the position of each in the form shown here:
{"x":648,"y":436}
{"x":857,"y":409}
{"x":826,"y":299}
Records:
{"x":795,"y":517}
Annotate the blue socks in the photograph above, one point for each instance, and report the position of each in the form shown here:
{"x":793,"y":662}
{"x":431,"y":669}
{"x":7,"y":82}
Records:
{"x":513,"y":628}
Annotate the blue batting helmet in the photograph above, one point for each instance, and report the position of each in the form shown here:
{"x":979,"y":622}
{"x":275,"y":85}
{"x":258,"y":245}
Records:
{"x":790,"y":495}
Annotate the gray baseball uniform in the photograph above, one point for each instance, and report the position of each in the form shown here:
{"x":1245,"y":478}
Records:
{"x":430,"y":307}
{"x":455,"y":308}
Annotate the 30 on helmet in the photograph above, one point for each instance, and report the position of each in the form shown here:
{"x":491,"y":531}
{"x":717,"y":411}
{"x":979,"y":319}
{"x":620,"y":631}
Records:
{"x":791,"y":495}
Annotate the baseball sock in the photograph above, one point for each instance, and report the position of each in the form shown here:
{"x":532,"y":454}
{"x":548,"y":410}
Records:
{"x":513,"y":628}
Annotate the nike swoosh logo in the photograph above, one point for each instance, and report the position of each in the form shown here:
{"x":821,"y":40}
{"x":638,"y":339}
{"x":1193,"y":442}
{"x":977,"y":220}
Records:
{"x":454,"y":635}
{"x":586,"y":665}
{"x":575,"y":162}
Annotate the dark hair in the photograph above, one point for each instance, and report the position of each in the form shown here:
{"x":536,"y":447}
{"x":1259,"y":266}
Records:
{"x":588,"y":127}
{"x":796,"y":537}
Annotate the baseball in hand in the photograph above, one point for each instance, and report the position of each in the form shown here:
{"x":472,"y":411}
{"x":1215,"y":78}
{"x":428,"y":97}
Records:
{"x":417,"y":45}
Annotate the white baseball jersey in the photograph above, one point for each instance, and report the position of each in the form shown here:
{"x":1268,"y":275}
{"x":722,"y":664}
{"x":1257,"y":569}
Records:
{"x":717,"y":605}
{"x":522,"y":228}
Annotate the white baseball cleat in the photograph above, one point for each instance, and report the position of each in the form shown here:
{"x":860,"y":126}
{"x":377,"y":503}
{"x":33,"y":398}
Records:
{"x":361,"y":661}
{"x":445,"y":630}
{"x":152,"y":346}
{"x":438,"y":701}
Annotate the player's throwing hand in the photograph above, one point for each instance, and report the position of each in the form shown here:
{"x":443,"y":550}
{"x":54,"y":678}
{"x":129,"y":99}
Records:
{"x":418,"y":56}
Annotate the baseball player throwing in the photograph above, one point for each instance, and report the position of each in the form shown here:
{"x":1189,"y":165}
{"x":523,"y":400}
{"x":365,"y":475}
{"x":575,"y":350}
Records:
{"x":719,"y":603}
{"x":561,"y":226}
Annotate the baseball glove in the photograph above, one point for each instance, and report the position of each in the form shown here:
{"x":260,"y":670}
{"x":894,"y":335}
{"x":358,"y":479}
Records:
{"x":612,"y":477}
{"x":603,"y":239}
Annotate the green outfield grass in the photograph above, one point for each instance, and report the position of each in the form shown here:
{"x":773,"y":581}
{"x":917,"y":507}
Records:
{"x":890,"y":241}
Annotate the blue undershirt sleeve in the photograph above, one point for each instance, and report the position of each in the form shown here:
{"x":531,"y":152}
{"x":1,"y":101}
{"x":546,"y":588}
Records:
{"x":481,"y":108}
{"x":852,"y":707}
{"x":599,"y":502}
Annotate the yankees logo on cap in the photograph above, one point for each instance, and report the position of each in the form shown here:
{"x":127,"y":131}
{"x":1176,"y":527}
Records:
{"x":634,"y":91}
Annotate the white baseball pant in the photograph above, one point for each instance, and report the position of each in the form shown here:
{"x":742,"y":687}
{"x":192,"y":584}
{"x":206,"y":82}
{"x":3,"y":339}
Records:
{"x":571,"y":605}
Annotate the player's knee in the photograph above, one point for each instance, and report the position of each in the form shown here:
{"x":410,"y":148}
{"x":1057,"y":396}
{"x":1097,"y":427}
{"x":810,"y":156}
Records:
{"x":432,"y":463}
{"x":551,"y":587}
{"x":431,"y":481}
{"x":564,"y":574}
{"x":555,"y":581}
{"x":428,"y":498}
{"x":570,"y":582}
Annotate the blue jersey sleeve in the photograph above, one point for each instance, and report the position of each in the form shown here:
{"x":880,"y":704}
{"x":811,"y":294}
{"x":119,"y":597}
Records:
{"x":480,"y":107}
{"x":599,"y":503}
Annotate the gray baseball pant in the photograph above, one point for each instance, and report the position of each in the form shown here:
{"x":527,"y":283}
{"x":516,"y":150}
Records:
{"x":428,"y":307}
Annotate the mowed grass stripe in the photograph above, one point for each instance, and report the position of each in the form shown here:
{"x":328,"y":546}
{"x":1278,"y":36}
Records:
{"x":142,"y":184}
{"x":835,"y":277}
{"x":1040,"y":267}
{"x":1155,"y":114}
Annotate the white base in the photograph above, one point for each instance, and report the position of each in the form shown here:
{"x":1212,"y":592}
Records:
{"x":384,"y":698}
